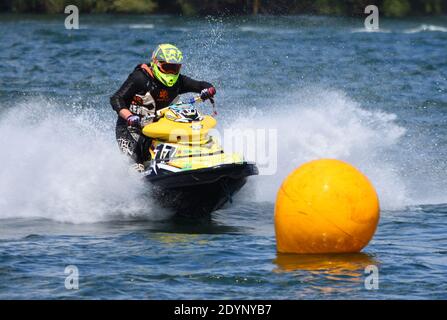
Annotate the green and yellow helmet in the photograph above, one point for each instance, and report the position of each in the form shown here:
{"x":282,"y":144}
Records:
{"x":166,"y":63}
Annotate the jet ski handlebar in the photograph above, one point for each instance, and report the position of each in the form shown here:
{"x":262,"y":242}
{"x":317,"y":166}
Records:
{"x":191,"y":101}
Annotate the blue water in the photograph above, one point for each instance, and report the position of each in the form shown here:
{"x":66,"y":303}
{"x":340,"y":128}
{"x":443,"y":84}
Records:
{"x":329,"y":89}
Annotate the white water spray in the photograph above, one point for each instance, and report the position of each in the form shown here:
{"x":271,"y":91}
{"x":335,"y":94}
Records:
{"x":319,"y":123}
{"x":65,"y":167}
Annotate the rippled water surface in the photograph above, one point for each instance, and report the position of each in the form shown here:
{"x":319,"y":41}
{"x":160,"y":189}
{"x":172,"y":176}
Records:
{"x":329,"y":89}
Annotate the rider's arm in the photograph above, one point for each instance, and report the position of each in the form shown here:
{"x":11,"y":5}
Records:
{"x":125,"y":113}
{"x":121,"y":100}
{"x":190,"y":85}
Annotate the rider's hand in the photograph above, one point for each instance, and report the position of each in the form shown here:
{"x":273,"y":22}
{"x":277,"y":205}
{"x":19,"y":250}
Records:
{"x":134,"y":121}
{"x":207,"y":93}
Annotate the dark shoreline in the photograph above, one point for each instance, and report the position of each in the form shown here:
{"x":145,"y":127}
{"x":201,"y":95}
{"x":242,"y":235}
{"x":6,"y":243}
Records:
{"x":353,"y":8}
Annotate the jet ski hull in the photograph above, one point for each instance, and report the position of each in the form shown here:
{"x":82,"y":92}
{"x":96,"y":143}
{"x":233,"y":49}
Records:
{"x":197,"y":193}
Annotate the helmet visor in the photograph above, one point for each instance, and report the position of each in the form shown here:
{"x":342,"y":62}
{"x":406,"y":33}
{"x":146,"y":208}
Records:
{"x":169,"y":68}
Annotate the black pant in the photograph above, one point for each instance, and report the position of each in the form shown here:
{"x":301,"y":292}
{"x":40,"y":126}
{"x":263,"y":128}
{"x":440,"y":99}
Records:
{"x":131,"y":142}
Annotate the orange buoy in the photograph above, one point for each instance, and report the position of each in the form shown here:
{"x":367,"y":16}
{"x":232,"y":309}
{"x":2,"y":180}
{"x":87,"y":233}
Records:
{"x":325,"y":206}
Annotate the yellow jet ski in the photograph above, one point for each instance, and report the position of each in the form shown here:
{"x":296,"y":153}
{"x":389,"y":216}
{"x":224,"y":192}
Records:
{"x":190,"y":172}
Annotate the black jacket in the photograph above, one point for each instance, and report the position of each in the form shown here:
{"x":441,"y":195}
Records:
{"x":140,"y":81}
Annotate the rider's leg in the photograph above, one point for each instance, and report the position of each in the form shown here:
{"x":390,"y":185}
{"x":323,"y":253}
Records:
{"x":129,"y":144}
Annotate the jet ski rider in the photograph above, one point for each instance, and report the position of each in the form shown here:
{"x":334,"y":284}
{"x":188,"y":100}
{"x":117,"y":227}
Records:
{"x":148,"y":89}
